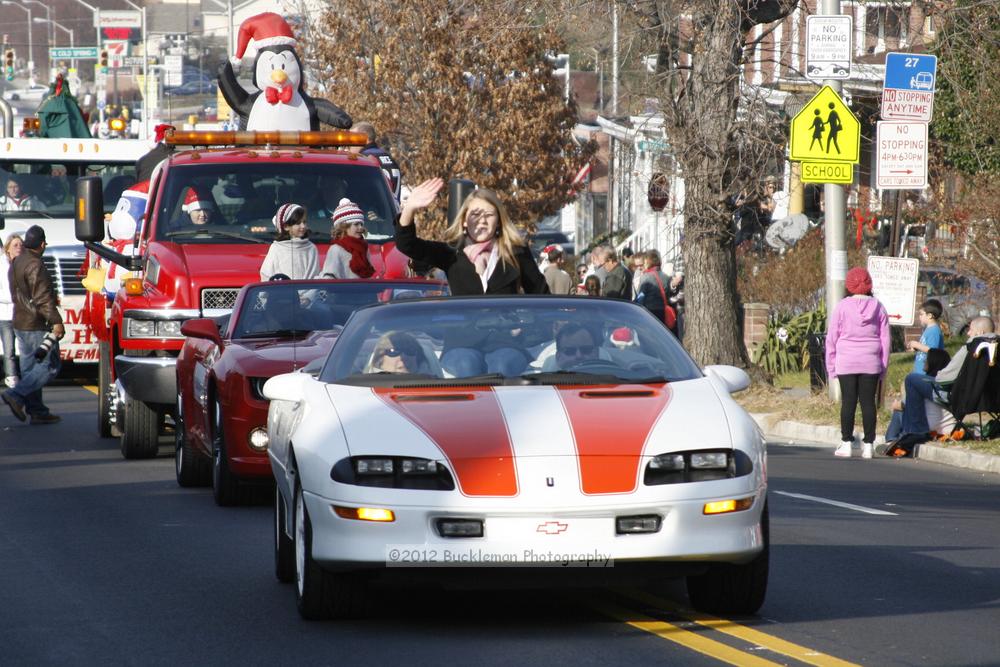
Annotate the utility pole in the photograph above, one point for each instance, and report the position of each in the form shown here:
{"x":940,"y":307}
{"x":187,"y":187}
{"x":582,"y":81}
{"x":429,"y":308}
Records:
{"x":835,"y":212}
{"x":614,"y":58}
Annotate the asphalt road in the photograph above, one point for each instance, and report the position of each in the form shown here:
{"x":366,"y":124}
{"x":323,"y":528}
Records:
{"x":108,"y":561}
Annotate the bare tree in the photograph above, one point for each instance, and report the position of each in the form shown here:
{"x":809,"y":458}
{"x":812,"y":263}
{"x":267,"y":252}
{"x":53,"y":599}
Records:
{"x":722,"y":140}
{"x":456,"y":89}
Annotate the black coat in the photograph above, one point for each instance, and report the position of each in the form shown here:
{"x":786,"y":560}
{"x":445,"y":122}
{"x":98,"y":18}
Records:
{"x":462,"y":277}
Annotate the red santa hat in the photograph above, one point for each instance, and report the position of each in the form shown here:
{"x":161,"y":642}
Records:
{"x":194,"y":201}
{"x":552,"y":251}
{"x":622,"y":337}
{"x":267,"y":29}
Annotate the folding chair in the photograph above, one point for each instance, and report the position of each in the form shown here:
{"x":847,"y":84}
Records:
{"x":977,"y":388}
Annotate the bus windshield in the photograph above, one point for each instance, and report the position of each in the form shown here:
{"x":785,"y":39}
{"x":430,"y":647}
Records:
{"x":234,"y":203}
{"x":45,"y":189}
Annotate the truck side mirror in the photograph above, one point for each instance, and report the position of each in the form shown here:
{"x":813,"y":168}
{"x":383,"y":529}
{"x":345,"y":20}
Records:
{"x":90,"y":209}
{"x":458,"y":190}
{"x":2,"y":221}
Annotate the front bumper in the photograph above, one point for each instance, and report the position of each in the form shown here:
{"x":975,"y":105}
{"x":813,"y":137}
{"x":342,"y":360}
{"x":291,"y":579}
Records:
{"x":537,"y":536}
{"x":152,"y":380}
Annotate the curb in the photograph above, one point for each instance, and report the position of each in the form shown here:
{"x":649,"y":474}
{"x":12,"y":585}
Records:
{"x":774,"y":427}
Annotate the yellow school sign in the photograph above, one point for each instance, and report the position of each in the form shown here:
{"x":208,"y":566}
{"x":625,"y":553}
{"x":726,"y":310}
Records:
{"x":827,"y":172}
{"x":825,"y":130}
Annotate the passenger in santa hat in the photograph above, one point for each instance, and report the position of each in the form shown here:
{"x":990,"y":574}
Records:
{"x":198,"y":207}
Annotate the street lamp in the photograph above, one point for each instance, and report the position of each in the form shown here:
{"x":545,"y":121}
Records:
{"x":69,"y":31}
{"x":50,"y":35}
{"x":31,"y":63}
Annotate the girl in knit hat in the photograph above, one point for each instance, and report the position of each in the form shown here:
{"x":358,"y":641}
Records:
{"x":857,"y":354}
{"x":291,"y":254}
{"x":348,"y":254}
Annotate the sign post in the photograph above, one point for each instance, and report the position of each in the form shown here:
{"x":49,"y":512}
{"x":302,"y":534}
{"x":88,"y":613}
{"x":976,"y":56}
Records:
{"x":894,"y":284}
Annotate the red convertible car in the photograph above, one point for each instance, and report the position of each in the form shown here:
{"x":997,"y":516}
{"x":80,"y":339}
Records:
{"x":275,"y":327}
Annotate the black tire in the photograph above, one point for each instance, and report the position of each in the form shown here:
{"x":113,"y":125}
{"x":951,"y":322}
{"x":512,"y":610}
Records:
{"x":225,"y":485}
{"x":190,"y":465}
{"x":284,"y":546}
{"x":320,"y":594}
{"x":733,"y":589}
{"x":140,"y":426}
{"x":104,"y":390}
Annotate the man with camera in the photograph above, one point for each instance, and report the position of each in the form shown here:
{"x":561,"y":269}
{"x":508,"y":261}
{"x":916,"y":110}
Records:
{"x":38,"y":328}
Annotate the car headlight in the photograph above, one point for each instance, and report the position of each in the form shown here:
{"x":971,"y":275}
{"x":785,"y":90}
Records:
{"x":698,"y":466}
{"x":136,"y":328}
{"x":393,"y":472}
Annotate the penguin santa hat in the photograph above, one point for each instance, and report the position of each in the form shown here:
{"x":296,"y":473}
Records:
{"x":267,"y":29}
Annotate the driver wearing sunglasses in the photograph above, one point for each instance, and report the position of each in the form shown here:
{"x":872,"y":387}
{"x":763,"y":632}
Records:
{"x":396,"y":352}
{"x":574,"y":344}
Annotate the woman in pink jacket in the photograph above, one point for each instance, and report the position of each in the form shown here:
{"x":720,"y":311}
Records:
{"x":857,"y":354}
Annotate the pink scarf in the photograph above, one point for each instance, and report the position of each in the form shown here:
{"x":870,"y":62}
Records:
{"x":479,"y":254}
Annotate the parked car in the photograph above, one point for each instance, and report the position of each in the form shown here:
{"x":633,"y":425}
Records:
{"x":197,"y":87}
{"x":544,"y":237}
{"x":33,"y":92}
{"x":963,"y":297}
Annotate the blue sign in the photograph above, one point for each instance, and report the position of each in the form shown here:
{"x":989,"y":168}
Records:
{"x":911,"y":71}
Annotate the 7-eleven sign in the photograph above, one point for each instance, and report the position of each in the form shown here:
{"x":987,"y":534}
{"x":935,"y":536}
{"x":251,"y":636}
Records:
{"x":117,"y":50}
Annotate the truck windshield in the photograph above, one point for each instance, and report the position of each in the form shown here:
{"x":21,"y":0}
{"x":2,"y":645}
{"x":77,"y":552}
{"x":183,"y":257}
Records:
{"x":234,"y":203}
{"x":44,"y":189}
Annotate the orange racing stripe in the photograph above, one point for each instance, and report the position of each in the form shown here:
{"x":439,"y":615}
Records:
{"x":468,"y":427}
{"x":610,"y":427}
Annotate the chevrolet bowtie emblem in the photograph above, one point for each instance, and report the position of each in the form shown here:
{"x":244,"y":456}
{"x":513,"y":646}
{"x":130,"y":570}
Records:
{"x":552,"y":527}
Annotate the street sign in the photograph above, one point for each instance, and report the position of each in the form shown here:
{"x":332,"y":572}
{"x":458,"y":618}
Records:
{"x":135,"y":61}
{"x":825,"y":130}
{"x":70,"y":52}
{"x":901,"y":150}
{"x":827,"y":172}
{"x":828,"y":47}
{"x":894,"y":283}
{"x":908,"y":91}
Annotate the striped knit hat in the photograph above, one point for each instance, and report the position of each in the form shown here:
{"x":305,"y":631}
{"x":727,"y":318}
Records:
{"x":284,"y":215}
{"x":347,"y":212}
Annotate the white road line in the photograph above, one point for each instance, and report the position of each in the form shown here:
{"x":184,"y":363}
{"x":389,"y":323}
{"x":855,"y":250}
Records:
{"x":837,"y":503}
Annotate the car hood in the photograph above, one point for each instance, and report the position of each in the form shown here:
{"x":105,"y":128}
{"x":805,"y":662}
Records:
{"x":266,"y":357}
{"x":598,"y":434}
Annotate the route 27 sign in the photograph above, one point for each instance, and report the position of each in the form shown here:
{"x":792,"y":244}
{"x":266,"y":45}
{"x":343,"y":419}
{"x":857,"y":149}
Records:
{"x":910,"y":81}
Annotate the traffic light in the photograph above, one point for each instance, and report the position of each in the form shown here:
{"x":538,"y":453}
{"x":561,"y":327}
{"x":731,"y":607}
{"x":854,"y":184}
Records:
{"x":104,"y":59}
{"x":8,"y":63}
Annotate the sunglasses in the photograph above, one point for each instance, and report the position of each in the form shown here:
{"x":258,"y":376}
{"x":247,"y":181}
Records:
{"x":395,"y":352}
{"x":575,"y":350}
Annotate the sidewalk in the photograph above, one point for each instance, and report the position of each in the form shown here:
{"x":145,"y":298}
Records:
{"x":797,"y":432}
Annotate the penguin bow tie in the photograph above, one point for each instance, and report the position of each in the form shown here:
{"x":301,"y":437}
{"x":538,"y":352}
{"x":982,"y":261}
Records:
{"x":274,"y":95}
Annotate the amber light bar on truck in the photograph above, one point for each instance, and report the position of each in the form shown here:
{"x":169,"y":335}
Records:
{"x":265,"y":138}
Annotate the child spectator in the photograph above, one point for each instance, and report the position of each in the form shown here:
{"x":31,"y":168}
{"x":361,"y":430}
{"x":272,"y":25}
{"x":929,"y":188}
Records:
{"x":348,"y":254}
{"x":932,"y":338}
{"x":291,"y":254}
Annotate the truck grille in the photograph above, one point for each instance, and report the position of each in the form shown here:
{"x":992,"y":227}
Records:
{"x":65,"y":274}
{"x":218,"y":298}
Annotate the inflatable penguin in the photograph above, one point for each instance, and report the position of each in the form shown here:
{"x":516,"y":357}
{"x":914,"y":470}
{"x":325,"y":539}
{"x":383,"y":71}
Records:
{"x":280,"y":102}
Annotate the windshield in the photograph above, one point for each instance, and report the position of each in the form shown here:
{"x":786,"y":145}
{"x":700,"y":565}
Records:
{"x":46,"y":189}
{"x":234,"y":203}
{"x":507,"y":341}
{"x":283,"y":309}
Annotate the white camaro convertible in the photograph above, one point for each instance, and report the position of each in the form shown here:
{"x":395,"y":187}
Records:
{"x":515,"y":431}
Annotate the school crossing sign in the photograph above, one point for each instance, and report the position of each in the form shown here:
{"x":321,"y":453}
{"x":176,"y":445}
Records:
{"x":825,"y":130}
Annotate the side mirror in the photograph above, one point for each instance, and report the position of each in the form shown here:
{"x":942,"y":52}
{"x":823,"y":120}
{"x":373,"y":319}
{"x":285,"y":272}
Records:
{"x":2,"y":221}
{"x":90,"y":209}
{"x":286,"y":387}
{"x":202,"y":327}
{"x":732,"y":378}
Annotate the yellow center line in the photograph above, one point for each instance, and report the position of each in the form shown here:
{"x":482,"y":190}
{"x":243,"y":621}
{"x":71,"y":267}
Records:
{"x":776,"y":644}
{"x":685,"y":638}
{"x":89,"y":387}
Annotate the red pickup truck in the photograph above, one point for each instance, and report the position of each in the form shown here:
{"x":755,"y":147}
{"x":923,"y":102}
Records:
{"x":182,"y":270}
